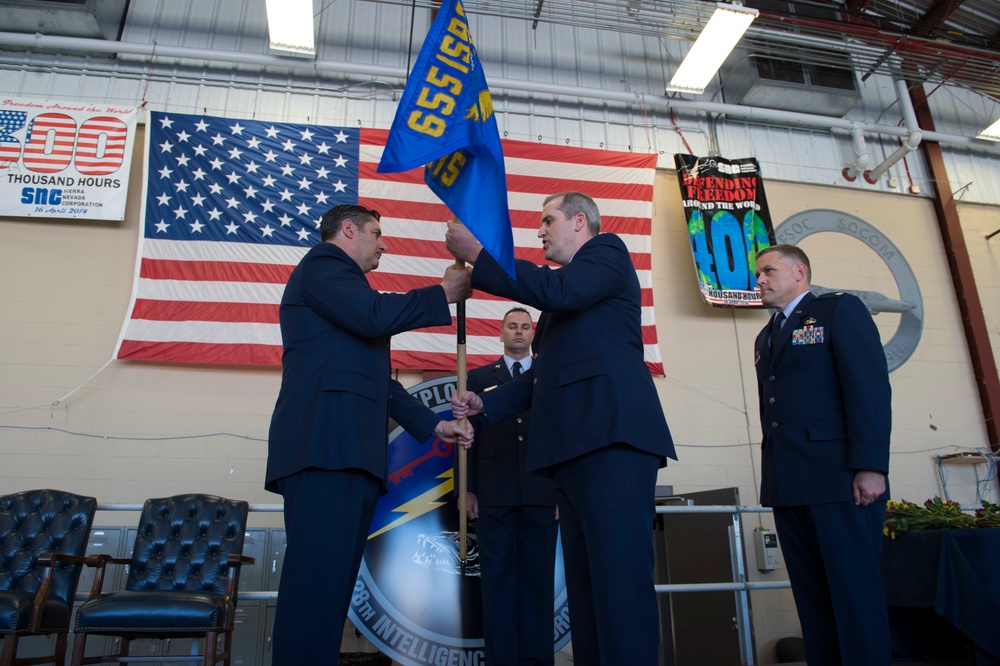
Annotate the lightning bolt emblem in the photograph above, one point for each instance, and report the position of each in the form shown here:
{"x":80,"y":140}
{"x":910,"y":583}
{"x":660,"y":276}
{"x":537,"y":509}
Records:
{"x":422,"y":504}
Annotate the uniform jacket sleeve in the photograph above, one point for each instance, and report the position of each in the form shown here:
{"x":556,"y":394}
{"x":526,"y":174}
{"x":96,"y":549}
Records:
{"x":589,"y":386}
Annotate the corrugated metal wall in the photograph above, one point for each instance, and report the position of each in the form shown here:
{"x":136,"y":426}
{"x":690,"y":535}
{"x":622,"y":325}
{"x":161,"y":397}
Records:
{"x":379,"y":35}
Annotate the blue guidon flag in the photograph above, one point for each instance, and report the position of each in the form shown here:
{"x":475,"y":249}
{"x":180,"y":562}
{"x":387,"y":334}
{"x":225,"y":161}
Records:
{"x":445,"y":122}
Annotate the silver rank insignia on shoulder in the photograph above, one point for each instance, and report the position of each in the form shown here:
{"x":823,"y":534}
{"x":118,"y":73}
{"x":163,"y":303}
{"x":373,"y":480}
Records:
{"x":808,"y":335}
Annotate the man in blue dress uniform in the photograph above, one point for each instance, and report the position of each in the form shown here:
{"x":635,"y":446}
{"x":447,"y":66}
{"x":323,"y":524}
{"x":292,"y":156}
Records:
{"x":597,"y":425}
{"x":328,"y":437}
{"x":825,"y":412}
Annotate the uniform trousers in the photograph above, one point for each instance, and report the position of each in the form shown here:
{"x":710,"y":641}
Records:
{"x":328,"y":516}
{"x":606,"y":512}
{"x":517,"y":548}
{"x":832,"y":553}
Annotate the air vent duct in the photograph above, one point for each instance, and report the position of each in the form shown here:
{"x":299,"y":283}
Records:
{"x":829,"y":88}
{"x":94,"y":19}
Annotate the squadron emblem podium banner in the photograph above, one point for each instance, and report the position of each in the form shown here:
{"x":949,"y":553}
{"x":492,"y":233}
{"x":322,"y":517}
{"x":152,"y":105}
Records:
{"x":728,"y":222}
{"x":412,"y":598}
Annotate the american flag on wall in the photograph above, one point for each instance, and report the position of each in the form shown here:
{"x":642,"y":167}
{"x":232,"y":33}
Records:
{"x":231,"y":206}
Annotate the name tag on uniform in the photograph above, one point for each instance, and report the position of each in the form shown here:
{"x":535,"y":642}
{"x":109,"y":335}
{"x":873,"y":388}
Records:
{"x":808,"y":335}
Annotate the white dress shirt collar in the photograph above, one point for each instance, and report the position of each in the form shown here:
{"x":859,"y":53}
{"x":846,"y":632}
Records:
{"x":525,"y":363}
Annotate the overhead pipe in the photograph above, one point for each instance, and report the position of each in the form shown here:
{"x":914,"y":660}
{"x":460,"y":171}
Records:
{"x":913,"y":136}
{"x":788,"y":118}
{"x":861,"y":155}
{"x":39,"y":41}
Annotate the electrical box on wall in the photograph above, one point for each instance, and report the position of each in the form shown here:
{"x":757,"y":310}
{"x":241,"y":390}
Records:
{"x":766,"y":543}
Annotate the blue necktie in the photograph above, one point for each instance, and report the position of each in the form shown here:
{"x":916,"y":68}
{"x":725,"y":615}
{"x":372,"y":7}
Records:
{"x":516,"y":369}
{"x":776,"y":328}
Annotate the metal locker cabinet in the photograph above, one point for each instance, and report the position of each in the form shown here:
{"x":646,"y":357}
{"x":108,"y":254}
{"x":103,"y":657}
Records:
{"x":252,"y":575}
{"x":268,"y":634}
{"x":275,"y":558}
{"x":246,"y":634}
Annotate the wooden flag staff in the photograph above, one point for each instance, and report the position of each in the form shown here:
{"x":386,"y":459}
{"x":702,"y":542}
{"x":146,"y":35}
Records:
{"x":463,"y":453}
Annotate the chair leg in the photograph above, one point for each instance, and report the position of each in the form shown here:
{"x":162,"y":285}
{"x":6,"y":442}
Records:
{"x":79,"y":644}
{"x":211,"y":640}
{"x":9,"y":650}
{"x":60,"y":656}
{"x":228,"y":644}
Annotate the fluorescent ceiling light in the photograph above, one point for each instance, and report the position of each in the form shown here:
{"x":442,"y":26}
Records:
{"x":290,"y":25}
{"x":992,"y":132}
{"x":713,"y":46}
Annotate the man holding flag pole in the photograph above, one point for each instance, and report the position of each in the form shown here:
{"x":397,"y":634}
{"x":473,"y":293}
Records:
{"x":597,"y":424}
{"x":599,"y":428}
{"x":327,"y":453}
{"x":336,"y":329}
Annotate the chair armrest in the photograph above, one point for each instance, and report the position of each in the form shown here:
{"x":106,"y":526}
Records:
{"x":236,"y":560}
{"x":46,"y":563}
{"x":100,"y":563}
{"x":48,"y":559}
{"x":235,"y":563}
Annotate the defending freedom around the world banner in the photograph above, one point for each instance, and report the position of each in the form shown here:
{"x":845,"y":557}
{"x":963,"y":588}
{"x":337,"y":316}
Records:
{"x":728,"y":222}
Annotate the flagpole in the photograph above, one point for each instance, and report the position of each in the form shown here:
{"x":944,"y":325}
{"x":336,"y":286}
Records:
{"x":463,"y":453}
{"x":459,"y":147}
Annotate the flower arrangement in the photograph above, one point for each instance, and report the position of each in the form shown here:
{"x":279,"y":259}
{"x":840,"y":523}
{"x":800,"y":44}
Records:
{"x":936,"y":514}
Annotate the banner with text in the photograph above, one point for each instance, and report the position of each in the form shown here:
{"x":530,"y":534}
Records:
{"x":728,"y":223}
{"x":64,"y":159}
